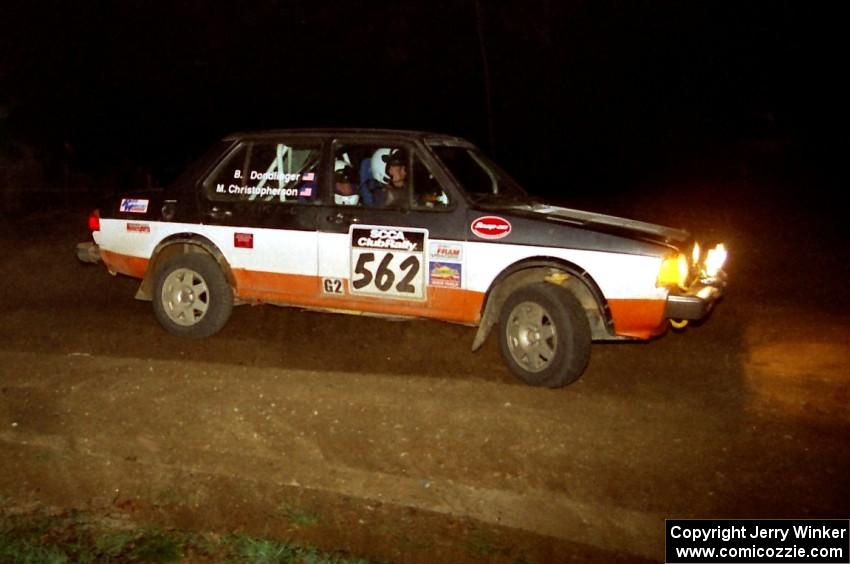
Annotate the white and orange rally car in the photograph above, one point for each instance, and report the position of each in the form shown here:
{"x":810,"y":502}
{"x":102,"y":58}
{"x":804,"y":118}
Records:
{"x":400,"y":224}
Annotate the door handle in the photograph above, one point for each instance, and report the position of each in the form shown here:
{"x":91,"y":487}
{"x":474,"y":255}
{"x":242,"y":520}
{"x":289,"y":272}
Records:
{"x":217,"y":213}
{"x":339,"y":218}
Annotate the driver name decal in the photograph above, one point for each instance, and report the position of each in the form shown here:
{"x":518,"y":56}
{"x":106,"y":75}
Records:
{"x":490,"y":227}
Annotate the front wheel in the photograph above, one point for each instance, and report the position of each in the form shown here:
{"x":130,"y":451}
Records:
{"x":192,"y":297}
{"x":544,"y":335}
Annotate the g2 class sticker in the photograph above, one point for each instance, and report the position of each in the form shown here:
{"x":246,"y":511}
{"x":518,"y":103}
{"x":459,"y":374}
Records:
{"x":490,"y":227}
{"x":333,"y":286}
{"x":131,"y":205}
{"x":388,"y":262}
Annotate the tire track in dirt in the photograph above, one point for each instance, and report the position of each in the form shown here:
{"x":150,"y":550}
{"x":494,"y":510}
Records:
{"x":297,"y":429}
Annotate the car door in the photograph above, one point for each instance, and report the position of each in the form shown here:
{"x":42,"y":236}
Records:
{"x":260,"y":207}
{"x":399,"y":258}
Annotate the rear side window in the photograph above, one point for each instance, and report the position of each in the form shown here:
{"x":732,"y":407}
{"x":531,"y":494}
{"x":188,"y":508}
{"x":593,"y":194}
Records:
{"x":267,"y":171}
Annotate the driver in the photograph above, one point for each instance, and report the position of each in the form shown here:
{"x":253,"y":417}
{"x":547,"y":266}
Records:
{"x":387,"y":187}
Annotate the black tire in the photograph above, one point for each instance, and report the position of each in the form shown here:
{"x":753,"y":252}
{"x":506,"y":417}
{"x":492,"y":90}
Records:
{"x":192,"y":297}
{"x":544,"y":335}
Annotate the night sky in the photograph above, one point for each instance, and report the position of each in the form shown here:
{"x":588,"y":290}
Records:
{"x":597,"y":94}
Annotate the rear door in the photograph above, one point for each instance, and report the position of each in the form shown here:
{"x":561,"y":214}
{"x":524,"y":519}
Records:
{"x":260,"y":207}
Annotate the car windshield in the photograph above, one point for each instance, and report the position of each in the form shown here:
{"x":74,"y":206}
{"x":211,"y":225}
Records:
{"x":480,"y":177}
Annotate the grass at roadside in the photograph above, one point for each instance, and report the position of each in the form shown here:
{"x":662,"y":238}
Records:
{"x":80,"y":537}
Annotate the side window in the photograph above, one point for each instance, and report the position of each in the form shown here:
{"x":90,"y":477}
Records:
{"x":379,"y":173}
{"x":267,"y":171}
{"x":427,"y":192}
{"x":227,"y":175}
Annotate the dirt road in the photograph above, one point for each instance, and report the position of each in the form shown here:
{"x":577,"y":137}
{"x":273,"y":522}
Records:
{"x":392,"y":440}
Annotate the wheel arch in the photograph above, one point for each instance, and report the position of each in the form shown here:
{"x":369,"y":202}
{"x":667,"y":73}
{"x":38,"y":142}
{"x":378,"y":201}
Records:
{"x":178,"y":244}
{"x":555,"y":271}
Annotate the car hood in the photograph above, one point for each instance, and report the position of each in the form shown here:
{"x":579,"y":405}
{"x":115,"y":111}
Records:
{"x":608,"y":223}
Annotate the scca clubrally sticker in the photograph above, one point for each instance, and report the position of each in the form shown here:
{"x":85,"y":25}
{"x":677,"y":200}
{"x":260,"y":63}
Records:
{"x":388,"y":262}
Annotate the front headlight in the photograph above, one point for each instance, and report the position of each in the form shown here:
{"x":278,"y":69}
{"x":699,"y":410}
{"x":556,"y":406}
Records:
{"x":674,"y":272}
{"x":696,"y":253}
{"x":714,"y":260}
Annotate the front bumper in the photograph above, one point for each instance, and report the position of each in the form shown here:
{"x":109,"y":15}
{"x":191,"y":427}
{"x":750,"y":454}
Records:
{"x":88,"y":252}
{"x":694,"y":304}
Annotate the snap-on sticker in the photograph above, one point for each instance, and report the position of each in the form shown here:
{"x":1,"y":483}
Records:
{"x":130,"y":205}
{"x":491,"y":227}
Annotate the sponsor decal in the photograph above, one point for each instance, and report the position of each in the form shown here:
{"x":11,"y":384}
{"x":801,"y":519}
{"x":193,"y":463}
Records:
{"x":243,"y":240}
{"x":138,"y":227}
{"x":333,"y":286}
{"x":388,"y":262}
{"x":445,"y":275}
{"x":130,"y":205}
{"x":446,"y":251}
{"x":491,"y":227}
{"x":392,"y":238}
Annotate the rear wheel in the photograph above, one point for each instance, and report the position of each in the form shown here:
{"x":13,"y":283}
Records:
{"x":192,"y":297}
{"x":544,"y":335}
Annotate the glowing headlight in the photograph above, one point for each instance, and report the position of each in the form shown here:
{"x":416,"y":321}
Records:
{"x":674,"y":271}
{"x":696,"y":253}
{"x":714,"y":260}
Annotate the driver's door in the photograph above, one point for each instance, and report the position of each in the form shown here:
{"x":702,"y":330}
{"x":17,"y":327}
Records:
{"x":379,"y":259}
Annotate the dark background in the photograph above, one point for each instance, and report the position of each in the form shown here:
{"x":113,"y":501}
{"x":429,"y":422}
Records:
{"x":586,"y":97}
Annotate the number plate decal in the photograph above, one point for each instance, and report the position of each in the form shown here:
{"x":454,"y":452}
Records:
{"x":388,"y":262}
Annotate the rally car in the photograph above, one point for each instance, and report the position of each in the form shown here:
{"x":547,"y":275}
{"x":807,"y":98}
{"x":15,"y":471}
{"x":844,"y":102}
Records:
{"x":400,"y":224}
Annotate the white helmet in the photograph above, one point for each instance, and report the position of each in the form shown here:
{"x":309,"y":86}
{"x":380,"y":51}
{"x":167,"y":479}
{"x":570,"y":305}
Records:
{"x":382,"y":159}
{"x":343,"y":171}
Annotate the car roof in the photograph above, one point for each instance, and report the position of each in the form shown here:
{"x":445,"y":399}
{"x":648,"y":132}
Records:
{"x":365,"y":133}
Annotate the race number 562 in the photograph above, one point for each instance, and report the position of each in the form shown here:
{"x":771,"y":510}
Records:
{"x":388,"y":263}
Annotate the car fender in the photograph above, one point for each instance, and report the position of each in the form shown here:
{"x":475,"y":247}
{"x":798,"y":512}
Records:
{"x":554,"y":271}
{"x":180,"y":243}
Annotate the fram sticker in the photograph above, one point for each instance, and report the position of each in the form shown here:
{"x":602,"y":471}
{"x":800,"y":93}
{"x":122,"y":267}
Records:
{"x":491,"y":227}
{"x":130,"y":205}
{"x":446,"y":275}
{"x":446,"y":251}
{"x":139,"y":227}
{"x":243,"y":240}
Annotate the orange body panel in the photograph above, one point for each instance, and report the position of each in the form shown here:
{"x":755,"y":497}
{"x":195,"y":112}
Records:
{"x":638,"y":318}
{"x":124,"y":264}
{"x":450,"y":304}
